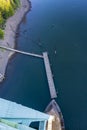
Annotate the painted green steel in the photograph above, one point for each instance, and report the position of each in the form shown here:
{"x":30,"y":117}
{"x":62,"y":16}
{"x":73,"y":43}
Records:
{"x":20,"y":117}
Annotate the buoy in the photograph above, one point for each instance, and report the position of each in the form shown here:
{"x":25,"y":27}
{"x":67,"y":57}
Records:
{"x":55,"y":51}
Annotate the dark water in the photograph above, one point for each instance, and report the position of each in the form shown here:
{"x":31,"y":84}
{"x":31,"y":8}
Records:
{"x":51,"y":25}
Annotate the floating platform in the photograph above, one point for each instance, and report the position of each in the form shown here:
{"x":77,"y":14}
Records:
{"x":49,"y":76}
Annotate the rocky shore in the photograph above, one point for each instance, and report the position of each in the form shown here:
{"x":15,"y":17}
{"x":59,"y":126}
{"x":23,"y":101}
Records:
{"x":10,"y":35}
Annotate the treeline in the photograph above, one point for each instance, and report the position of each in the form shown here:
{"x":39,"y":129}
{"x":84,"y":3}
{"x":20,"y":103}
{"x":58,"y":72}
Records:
{"x":7,"y":9}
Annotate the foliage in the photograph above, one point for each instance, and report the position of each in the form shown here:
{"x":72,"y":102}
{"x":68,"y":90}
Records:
{"x":1,"y":34}
{"x":7,"y":9}
{"x":17,"y":2}
{"x":1,"y":19}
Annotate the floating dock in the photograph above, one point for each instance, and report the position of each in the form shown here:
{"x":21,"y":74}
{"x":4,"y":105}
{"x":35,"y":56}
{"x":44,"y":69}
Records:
{"x":47,"y":68}
{"x":49,"y":76}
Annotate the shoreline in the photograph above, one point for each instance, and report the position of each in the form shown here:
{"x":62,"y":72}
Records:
{"x":10,"y":35}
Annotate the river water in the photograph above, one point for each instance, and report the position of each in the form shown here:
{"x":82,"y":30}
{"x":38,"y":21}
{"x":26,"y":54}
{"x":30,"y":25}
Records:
{"x":52,"y":25}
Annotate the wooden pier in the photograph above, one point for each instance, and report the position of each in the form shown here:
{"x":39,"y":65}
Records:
{"x":47,"y":68}
{"x":49,"y":76}
{"x":21,"y":52}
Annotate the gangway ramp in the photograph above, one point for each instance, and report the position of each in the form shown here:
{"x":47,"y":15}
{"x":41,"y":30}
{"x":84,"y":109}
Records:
{"x":21,"y":52}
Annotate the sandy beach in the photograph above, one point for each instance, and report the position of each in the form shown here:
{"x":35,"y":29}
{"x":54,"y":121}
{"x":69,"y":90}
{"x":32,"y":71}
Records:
{"x":10,"y":35}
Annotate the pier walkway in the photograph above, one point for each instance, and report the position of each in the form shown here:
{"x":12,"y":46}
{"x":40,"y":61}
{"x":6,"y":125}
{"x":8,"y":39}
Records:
{"x":21,"y":52}
{"x":49,"y":76}
{"x":47,"y":68}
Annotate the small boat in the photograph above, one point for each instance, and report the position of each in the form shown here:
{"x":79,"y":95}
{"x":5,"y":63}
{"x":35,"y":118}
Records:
{"x":54,"y":110}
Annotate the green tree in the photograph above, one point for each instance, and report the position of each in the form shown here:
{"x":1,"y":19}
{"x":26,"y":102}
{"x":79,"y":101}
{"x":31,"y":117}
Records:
{"x":7,"y":9}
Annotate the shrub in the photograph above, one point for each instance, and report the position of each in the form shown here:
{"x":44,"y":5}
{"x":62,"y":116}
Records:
{"x":1,"y":19}
{"x":17,"y":2}
{"x":1,"y":34}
